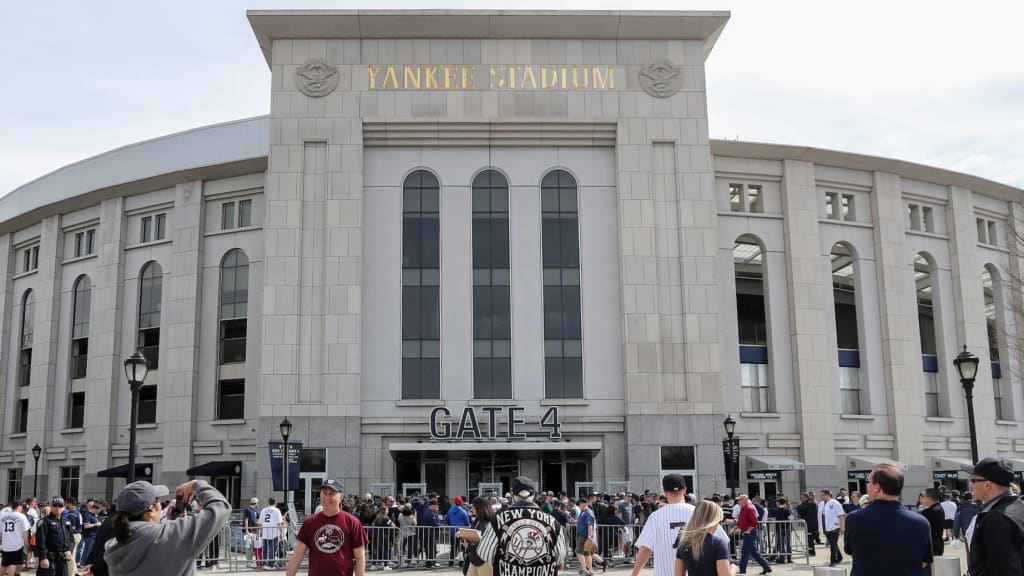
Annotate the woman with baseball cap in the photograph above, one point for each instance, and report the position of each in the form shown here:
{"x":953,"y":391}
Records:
{"x":142,"y":545}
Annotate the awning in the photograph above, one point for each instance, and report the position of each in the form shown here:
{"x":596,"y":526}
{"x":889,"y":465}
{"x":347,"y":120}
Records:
{"x":869,"y":462}
{"x":947,"y":464}
{"x":144,"y":470}
{"x":1018,"y":466}
{"x":773,"y":463}
{"x":218,"y":468}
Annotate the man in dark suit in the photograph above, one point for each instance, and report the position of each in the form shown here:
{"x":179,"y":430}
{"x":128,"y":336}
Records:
{"x":808,"y":512}
{"x":886,"y":539}
{"x":933,"y":512}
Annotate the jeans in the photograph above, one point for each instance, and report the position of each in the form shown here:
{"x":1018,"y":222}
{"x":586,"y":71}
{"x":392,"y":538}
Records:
{"x":832,"y":537}
{"x":85,"y":547}
{"x":270,"y":552}
{"x":749,"y":550}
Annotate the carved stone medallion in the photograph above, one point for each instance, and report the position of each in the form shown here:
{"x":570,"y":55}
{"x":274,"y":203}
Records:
{"x":316,"y":78}
{"x":660,"y":78}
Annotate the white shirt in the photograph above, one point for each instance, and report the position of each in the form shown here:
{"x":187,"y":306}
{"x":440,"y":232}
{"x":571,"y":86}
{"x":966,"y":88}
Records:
{"x":949,"y":507}
{"x":270,"y":519}
{"x":13,"y":525}
{"x":829,"y":513}
{"x":660,"y":534}
{"x":33,"y":515}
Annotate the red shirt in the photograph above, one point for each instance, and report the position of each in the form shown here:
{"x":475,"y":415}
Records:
{"x":331,"y":541}
{"x":748,"y":518}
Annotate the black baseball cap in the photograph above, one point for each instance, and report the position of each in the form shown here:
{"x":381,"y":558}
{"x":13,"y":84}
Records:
{"x":997,"y":470}
{"x":673,"y":483}
{"x":523,"y":487}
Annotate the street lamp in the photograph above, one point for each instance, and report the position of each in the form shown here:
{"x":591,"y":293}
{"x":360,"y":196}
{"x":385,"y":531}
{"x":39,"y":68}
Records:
{"x":135,"y":368}
{"x":731,"y":449}
{"x":967,"y":366}
{"x":286,"y":431}
{"x":37,"y":451}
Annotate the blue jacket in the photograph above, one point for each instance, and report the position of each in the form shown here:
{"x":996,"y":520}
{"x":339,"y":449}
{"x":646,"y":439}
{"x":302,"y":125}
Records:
{"x":886,"y":539}
{"x":457,"y":516}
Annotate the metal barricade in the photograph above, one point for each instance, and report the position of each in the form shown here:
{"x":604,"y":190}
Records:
{"x":780,"y":542}
{"x":428,"y":547}
{"x":383,"y":547}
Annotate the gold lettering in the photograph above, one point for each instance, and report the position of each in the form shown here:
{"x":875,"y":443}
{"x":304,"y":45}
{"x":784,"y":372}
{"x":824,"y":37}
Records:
{"x":390,"y":77}
{"x":467,"y":77}
{"x":512,"y":76}
{"x":449,"y":76}
{"x":575,"y":78}
{"x":606,"y":83}
{"x":547,"y":81}
{"x":565,"y":75}
{"x":410,"y":80}
{"x":497,"y":78}
{"x":432,"y":78}
{"x":373,"y":71}
{"x":528,"y":77}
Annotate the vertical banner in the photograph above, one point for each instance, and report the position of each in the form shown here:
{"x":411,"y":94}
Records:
{"x":731,"y":453}
{"x":277,"y":466}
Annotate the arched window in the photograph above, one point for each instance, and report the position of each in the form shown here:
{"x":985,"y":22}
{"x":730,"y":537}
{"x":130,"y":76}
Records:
{"x":81,"y":303}
{"x":492,"y":301}
{"x":926,"y":326}
{"x":151,"y":282}
{"x":421,"y":286}
{"x":563,"y":323}
{"x":234,"y":330}
{"x":28,"y":318}
{"x":752,"y":318}
{"x":844,"y":295}
{"x":991,"y":292}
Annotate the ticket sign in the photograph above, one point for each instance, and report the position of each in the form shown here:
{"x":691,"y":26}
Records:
{"x":486,"y":424}
{"x":762,"y":475}
{"x":946,"y":475}
{"x":858,"y":475}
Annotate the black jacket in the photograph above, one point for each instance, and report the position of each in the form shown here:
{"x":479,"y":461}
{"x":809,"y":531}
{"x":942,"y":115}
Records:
{"x":95,"y":559}
{"x":808,"y":512}
{"x":997,"y":548}
{"x":53,"y":538}
{"x":936,"y":519}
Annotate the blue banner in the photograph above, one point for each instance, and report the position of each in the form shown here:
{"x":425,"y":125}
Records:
{"x":277,"y":465}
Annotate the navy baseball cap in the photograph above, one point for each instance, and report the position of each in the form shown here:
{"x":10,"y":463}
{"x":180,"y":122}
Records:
{"x":334,"y":484}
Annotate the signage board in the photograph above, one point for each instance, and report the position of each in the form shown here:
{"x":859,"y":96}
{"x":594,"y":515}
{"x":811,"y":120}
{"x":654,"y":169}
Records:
{"x":763,"y":475}
{"x":858,"y":474}
{"x":483,"y":422}
{"x":277,"y":466}
{"x":731,"y":455}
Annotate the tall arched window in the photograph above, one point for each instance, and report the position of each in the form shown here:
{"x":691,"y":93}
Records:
{"x":492,"y":301}
{"x":421,"y":286}
{"x":563,"y":323}
{"x":926,"y":326}
{"x":81,"y":303}
{"x":752,"y":318}
{"x":28,"y":318}
{"x":234,"y":329}
{"x":151,"y":282}
{"x":844,"y":295}
{"x":990,"y":289}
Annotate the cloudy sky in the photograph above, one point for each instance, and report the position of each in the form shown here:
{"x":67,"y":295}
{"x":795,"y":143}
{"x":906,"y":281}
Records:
{"x":939,"y":82}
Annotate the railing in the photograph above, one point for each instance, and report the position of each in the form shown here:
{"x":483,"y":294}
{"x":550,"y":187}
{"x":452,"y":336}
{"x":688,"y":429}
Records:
{"x":778,"y":541}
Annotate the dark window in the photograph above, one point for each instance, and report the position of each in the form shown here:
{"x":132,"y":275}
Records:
{"x":76,"y":410}
{"x":146,"y":234}
{"x":492,"y":312}
{"x":421,"y":282}
{"x":227,"y":215}
{"x":161,"y":227}
{"x":845,"y":296}
{"x":150,"y":296}
{"x":14,"y":482}
{"x":28,"y":317}
{"x":79,"y":244}
{"x":35,"y":258}
{"x":560,"y":252}
{"x":234,"y":306}
{"x":147,"y":404}
{"x":22,"y":416}
{"x":678,"y":458}
{"x":751,"y":314}
{"x":989,"y":287}
{"x":925,"y":313}
{"x":28,"y":261}
{"x":90,"y":241}
{"x":244,"y":213}
{"x":231,"y":400}
{"x":80,"y":327}
{"x":69,"y":478}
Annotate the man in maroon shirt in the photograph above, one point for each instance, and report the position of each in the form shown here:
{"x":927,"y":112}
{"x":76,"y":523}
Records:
{"x":747,"y":525}
{"x":336,"y":541}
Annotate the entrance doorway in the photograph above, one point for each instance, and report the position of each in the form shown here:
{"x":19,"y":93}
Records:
{"x":764,"y":484}
{"x":493,"y":470}
{"x":559,"y":473}
{"x":410,"y":468}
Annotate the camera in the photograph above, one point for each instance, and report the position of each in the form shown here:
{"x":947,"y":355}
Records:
{"x":180,"y":506}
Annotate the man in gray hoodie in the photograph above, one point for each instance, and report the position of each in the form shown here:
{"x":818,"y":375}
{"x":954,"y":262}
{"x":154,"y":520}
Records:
{"x":145,"y":547}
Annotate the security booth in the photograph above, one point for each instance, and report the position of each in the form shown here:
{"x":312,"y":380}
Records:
{"x":951,"y":473}
{"x":765,"y":474}
{"x":859,"y":470}
{"x":382,"y":489}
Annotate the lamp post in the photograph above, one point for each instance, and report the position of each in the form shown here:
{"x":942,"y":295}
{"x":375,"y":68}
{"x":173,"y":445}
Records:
{"x":967,"y":366}
{"x":286,"y":431}
{"x":37,"y":451}
{"x":732,"y":454}
{"x":135,"y":368}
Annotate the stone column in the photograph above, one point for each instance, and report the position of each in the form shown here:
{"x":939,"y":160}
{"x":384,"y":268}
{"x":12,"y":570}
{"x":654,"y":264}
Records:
{"x":106,"y":368}
{"x":813,"y":389}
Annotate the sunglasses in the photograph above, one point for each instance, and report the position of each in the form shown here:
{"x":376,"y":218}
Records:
{"x":976,"y":480}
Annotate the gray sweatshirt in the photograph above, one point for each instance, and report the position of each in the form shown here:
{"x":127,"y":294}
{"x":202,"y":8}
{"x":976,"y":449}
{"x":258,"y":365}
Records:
{"x":170,"y":549}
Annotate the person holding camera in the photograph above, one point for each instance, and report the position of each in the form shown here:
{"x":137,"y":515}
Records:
{"x":54,"y":542}
{"x":143,"y":546}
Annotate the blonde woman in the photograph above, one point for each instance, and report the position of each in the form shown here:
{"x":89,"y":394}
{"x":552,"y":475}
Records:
{"x":700,"y":552}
